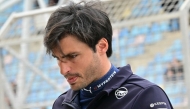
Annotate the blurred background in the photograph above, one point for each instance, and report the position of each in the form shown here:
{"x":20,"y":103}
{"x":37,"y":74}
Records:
{"x":151,"y":35}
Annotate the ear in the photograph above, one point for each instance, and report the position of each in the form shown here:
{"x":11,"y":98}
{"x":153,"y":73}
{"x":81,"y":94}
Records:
{"x":102,"y":46}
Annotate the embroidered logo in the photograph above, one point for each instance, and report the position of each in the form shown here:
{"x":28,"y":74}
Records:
{"x":157,"y":104}
{"x":121,"y":92}
{"x":88,"y":90}
{"x":96,"y":87}
{"x":107,"y":80}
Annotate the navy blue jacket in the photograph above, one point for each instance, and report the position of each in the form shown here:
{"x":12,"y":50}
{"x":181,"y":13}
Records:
{"x":124,"y":91}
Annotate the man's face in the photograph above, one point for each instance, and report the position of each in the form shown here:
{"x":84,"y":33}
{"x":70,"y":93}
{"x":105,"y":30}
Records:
{"x":78,"y":63}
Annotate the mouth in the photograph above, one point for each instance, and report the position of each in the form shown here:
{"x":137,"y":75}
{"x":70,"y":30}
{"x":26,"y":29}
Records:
{"x":72,"y":80}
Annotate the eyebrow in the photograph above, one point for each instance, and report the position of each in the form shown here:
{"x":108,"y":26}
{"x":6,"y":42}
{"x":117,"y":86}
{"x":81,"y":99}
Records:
{"x":65,"y":55}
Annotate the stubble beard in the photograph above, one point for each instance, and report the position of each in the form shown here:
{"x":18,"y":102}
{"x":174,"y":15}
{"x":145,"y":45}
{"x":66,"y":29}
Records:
{"x":90,"y":75}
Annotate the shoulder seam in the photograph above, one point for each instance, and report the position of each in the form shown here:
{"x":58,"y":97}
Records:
{"x":143,"y":89}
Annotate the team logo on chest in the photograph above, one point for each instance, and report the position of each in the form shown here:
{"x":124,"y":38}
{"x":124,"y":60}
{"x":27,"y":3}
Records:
{"x":121,"y":92}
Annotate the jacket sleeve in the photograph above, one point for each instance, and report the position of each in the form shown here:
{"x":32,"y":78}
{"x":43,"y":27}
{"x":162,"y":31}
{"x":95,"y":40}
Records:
{"x":152,"y":98}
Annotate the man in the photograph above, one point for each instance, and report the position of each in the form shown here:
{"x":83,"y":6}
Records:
{"x":79,"y":36}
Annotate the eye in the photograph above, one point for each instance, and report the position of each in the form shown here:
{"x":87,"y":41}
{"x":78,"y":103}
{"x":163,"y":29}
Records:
{"x":72,"y":56}
{"x":67,"y":57}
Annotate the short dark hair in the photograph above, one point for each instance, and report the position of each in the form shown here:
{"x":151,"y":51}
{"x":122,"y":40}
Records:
{"x":83,"y":20}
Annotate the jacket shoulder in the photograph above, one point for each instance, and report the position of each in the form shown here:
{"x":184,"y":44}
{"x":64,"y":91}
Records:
{"x":139,"y":81}
{"x":152,"y":97}
{"x":58,"y":102}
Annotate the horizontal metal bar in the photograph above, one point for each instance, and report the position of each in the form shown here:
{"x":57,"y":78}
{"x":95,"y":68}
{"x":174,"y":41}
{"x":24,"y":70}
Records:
{"x":16,"y":41}
{"x":144,"y":20}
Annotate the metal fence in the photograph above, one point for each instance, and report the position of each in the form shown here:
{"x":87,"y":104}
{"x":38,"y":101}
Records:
{"x":150,"y":35}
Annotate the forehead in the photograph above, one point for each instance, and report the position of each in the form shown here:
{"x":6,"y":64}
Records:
{"x":70,"y":44}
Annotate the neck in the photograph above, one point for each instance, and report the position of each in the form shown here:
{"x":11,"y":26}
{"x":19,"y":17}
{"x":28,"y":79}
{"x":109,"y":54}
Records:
{"x":88,"y":93}
{"x":95,"y":87}
{"x":105,"y":66}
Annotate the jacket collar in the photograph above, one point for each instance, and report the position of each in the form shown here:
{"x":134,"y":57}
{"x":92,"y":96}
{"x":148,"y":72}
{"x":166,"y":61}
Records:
{"x":121,"y":76}
{"x":70,"y":96}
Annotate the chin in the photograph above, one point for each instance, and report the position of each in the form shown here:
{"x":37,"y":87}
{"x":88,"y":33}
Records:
{"x":75,"y":88}
{"x":78,"y":86}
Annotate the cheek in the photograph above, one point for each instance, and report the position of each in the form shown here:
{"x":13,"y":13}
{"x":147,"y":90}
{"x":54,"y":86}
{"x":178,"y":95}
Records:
{"x":80,"y":68}
{"x":82,"y":63}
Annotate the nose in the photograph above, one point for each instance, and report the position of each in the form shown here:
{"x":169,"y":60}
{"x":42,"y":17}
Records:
{"x":64,"y":67}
